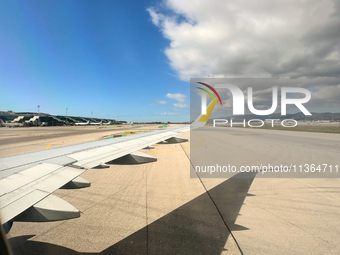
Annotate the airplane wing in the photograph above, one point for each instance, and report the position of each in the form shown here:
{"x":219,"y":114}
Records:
{"x":27,"y":180}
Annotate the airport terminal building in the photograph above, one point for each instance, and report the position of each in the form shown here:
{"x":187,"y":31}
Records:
{"x":43,"y":119}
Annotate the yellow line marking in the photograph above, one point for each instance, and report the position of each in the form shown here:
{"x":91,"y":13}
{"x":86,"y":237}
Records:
{"x":157,"y":151}
{"x":49,"y":145}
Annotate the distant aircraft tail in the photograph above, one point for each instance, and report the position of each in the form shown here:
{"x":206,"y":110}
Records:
{"x":203,"y":118}
{"x":2,"y":122}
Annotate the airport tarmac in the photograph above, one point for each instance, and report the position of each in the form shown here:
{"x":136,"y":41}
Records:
{"x":156,"y":208}
{"x":16,"y":141}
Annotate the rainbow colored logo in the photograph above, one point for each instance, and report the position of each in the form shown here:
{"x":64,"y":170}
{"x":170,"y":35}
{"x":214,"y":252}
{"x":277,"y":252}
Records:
{"x":218,"y":96}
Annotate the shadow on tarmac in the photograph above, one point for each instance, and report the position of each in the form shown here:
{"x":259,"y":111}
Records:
{"x":194,"y":228}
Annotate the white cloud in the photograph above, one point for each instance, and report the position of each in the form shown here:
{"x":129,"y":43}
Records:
{"x":264,"y":38}
{"x":181,"y":105}
{"x":167,"y":113}
{"x":154,"y":16}
{"x":161,"y":101}
{"x":178,"y":96}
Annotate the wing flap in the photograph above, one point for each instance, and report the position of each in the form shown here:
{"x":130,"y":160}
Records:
{"x":22,"y":178}
{"x":34,"y":184}
{"x":21,"y":204}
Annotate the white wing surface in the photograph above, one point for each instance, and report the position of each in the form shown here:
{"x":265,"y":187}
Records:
{"x":27,"y":180}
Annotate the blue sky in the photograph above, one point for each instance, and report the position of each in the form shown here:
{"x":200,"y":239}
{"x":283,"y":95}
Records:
{"x":105,"y":57}
{"x":133,"y":59}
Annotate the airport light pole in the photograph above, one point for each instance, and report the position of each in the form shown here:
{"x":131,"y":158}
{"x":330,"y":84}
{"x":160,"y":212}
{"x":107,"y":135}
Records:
{"x":38,"y":115}
{"x":66,"y":115}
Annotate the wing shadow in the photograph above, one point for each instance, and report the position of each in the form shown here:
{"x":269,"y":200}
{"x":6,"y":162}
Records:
{"x":194,"y":228}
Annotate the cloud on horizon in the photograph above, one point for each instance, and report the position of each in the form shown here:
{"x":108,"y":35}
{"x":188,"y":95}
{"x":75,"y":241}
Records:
{"x":168,"y":113}
{"x":181,"y":105}
{"x":180,"y":98}
{"x":160,"y":101}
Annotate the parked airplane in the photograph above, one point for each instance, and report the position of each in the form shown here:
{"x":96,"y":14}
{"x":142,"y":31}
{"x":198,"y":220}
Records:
{"x":27,"y":181}
{"x":128,"y":123}
{"x":108,"y":123}
{"x":97,"y":123}
{"x":82,"y":123}
{"x":11,"y":124}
